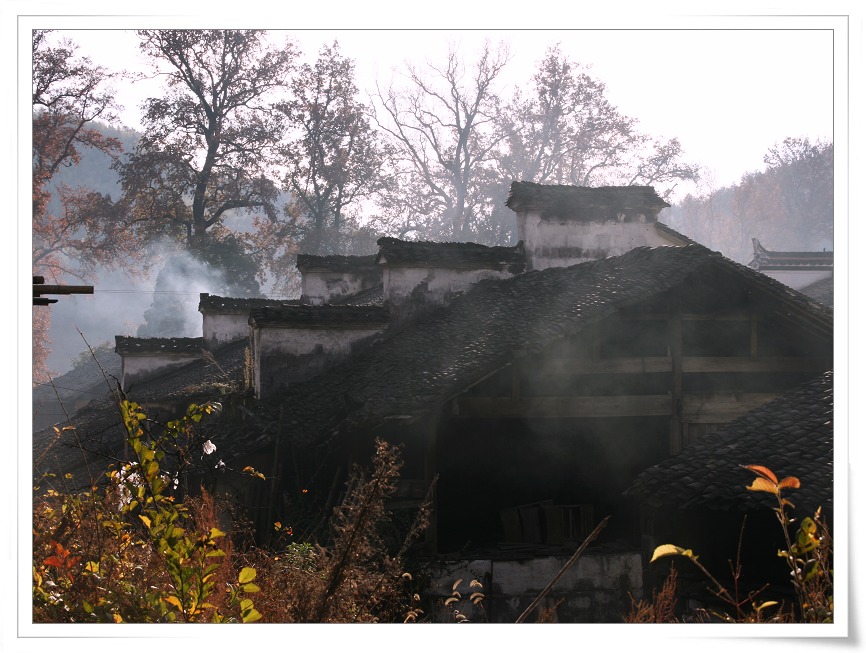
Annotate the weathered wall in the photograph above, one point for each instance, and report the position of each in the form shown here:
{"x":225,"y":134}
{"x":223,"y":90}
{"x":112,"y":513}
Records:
{"x":563,"y":242}
{"x":594,"y":590}
{"x":322,"y":287}
{"x":300,"y":341}
{"x":399,"y":282}
{"x":283,"y":355}
{"x":136,"y":368}
{"x":221,"y":329}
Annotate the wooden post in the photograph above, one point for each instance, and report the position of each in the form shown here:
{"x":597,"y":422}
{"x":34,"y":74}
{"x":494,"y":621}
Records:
{"x":676,"y":344}
{"x":430,"y":432}
{"x":753,"y":340}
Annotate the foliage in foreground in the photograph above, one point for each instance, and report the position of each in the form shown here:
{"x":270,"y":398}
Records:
{"x":808,"y":554}
{"x":130,"y":551}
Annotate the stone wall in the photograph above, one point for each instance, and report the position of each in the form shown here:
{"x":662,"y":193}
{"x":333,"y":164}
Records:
{"x":596,"y":589}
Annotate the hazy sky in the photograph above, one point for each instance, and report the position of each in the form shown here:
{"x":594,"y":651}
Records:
{"x":728,"y":89}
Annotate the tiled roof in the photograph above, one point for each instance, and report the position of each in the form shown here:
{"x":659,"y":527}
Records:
{"x":217,"y":304}
{"x":90,"y":372}
{"x":337,"y":263}
{"x":574,"y":201}
{"x":413,"y":370}
{"x":328,"y":315}
{"x":673,"y":233}
{"x":132,"y":345}
{"x":98,"y":426}
{"x":393,"y":251}
{"x":765,"y":259}
{"x":792,"y":436}
{"x":821,"y":291}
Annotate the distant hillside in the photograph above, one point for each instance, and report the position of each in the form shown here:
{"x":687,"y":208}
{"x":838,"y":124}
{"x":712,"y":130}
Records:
{"x":94,"y":171}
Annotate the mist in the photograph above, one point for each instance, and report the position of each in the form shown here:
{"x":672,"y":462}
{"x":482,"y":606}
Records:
{"x":162,"y":304}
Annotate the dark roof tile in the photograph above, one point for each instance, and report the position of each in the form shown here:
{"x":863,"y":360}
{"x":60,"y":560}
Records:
{"x":329,"y":315}
{"x":217,"y":304}
{"x":133,"y":345}
{"x":404,"y":253}
{"x":337,"y":263}
{"x":791,"y":435}
{"x":581,"y":201}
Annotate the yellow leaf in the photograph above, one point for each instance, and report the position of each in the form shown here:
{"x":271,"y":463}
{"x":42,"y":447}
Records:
{"x":246,"y":575}
{"x":145,"y":519}
{"x":117,"y":618}
{"x":763,"y":485}
{"x":669,"y":550}
{"x":173,"y":600}
{"x":766,"y":604}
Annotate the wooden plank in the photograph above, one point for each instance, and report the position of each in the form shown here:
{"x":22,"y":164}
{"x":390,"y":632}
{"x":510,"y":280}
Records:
{"x":711,"y":364}
{"x":699,"y":409}
{"x":692,"y":364}
{"x":688,"y":317}
{"x":583,"y":406}
{"x":625,"y":365}
{"x":722,"y":408}
{"x":675,"y":432}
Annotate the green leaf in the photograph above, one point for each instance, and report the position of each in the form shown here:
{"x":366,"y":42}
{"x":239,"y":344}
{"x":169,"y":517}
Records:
{"x":250,"y":616}
{"x":810,"y":570}
{"x":246,"y":575}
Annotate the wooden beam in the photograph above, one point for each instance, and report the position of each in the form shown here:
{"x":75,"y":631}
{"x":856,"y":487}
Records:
{"x":624,"y":365}
{"x":515,"y":381}
{"x":722,"y":408}
{"x":699,"y":409}
{"x":753,"y":337}
{"x":692,"y":364}
{"x":688,"y":317}
{"x":710,"y":364}
{"x":430,"y":431}
{"x":613,"y":406}
{"x":676,"y":353}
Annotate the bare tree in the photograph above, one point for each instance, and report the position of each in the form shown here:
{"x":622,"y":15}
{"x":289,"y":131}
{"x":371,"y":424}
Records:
{"x":803,"y":171}
{"x":334,"y":158}
{"x":444,"y":127}
{"x":567,"y":132}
